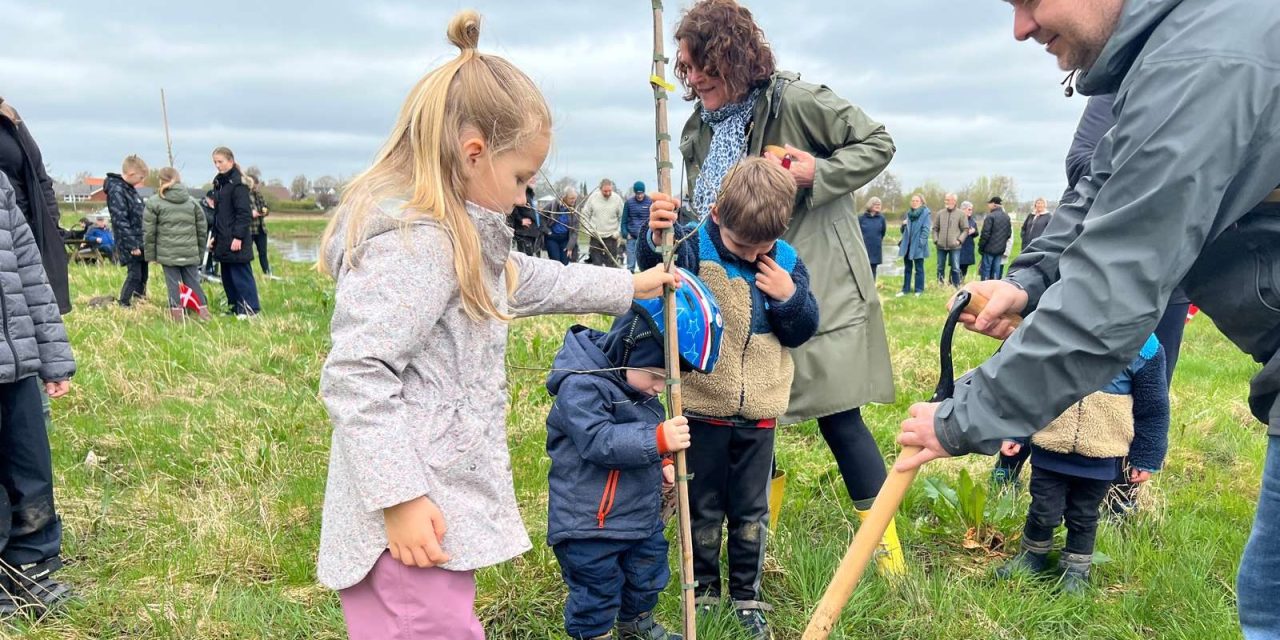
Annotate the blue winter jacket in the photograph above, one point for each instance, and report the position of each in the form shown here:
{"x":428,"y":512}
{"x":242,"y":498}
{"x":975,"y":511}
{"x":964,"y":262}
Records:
{"x":635,"y":216}
{"x":100,"y":239}
{"x":602,"y":436}
{"x":873,"y":228}
{"x":915,"y":239}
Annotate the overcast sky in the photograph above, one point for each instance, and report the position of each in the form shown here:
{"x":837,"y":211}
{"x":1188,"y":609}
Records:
{"x":313,"y":87}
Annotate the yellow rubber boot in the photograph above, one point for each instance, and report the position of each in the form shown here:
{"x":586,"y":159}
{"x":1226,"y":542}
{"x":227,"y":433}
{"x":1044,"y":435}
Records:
{"x":777,"y":487}
{"x":889,"y":558}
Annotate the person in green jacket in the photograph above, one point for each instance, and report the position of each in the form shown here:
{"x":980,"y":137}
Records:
{"x":831,"y":148}
{"x":174,"y":230}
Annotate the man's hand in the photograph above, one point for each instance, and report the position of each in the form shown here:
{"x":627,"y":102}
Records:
{"x":917,"y":431}
{"x":802,"y":167}
{"x":415,"y":531}
{"x":773,"y":280}
{"x":57,"y":389}
{"x":1010,"y":448}
{"x":662,"y":215}
{"x":235,"y":244}
{"x":1002,"y":298}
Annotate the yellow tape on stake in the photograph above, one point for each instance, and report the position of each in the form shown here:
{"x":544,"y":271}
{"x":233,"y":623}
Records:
{"x":657,"y":80}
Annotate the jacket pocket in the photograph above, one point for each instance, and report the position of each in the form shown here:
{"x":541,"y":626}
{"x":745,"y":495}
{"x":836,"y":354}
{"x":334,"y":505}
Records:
{"x":846,"y":307}
{"x":607,"y":497}
{"x":454,"y":435}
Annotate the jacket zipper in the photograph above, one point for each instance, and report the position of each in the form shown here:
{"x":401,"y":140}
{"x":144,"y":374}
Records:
{"x":606,"y":500}
{"x":4,"y":317}
{"x":742,"y":371}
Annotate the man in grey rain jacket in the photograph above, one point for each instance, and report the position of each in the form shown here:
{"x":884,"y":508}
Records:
{"x":1181,"y":190}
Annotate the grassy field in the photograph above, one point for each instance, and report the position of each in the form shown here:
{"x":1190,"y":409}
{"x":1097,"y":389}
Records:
{"x":191,"y":462}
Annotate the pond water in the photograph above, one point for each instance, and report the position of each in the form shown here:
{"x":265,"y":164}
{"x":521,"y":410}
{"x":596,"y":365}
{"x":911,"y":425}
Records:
{"x":297,"y":248}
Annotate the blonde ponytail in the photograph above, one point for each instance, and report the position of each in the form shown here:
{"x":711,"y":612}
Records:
{"x":421,"y":157}
{"x":168,"y":177}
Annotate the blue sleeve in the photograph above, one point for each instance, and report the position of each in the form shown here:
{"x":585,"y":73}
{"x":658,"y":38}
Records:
{"x":1150,"y":415}
{"x":587,"y":420}
{"x":796,"y":320}
{"x":649,"y":256}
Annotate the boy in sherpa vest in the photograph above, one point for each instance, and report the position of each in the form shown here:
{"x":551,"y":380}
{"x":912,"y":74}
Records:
{"x":763,"y":291}
{"x":1076,"y":458}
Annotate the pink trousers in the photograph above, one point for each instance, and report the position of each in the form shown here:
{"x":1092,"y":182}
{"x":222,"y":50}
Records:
{"x":395,"y":602}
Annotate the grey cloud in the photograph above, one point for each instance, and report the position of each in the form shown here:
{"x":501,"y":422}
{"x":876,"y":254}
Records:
{"x":313,"y":87}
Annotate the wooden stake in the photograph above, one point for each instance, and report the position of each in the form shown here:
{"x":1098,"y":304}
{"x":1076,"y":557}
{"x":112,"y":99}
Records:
{"x":675,"y":402}
{"x":164,"y":111}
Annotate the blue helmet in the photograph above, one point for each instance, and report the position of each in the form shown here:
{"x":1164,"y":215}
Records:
{"x":699,"y":325}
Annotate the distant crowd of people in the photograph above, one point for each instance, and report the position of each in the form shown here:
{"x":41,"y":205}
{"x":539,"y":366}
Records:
{"x":961,"y":239}
{"x":604,"y":231}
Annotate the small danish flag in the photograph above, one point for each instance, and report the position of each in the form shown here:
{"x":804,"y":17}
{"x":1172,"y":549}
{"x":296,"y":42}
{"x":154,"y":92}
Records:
{"x":189,"y":298}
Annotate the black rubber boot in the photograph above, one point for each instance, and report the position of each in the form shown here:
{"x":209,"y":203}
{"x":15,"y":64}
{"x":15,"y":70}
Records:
{"x":750,"y":615}
{"x":34,"y":584}
{"x":1075,"y":572}
{"x":10,"y":603}
{"x":1032,"y":558}
{"x":644,"y":628}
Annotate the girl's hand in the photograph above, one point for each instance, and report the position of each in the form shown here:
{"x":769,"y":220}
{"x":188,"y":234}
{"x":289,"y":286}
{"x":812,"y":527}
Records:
{"x":57,"y":389}
{"x":1010,"y":448}
{"x":662,"y":215}
{"x":1137,"y":476}
{"x":415,"y":531}
{"x":668,"y":475}
{"x":649,"y":284}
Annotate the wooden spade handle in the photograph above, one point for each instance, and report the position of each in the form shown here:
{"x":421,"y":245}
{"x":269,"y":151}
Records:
{"x":861,"y":550}
{"x":978,"y":302}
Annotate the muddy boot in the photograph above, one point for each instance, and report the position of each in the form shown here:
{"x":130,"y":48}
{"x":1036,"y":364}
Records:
{"x":644,"y":628}
{"x":1032,"y":558}
{"x":177,"y":315}
{"x":1075,"y":573}
{"x":750,"y":615}
{"x":34,"y":584}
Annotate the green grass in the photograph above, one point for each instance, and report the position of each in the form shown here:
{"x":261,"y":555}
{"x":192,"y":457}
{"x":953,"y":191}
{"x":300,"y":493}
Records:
{"x":200,"y":516}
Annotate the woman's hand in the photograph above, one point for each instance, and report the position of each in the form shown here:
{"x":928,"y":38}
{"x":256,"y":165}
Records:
{"x":802,"y":166}
{"x":415,"y":531}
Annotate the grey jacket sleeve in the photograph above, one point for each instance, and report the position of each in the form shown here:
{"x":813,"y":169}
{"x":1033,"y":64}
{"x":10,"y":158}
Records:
{"x":1188,"y":157}
{"x":546,"y":286}
{"x":383,"y":312}
{"x":56,"y":362}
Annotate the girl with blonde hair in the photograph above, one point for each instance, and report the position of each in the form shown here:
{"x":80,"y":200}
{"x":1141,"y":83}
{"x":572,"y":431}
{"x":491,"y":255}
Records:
{"x":420,"y":492}
{"x":174,"y":230}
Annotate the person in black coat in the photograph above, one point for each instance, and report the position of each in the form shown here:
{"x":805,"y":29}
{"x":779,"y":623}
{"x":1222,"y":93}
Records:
{"x":231,"y":246}
{"x":996,"y":231}
{"x":22,"y":163}
{"x":526,"y":223}
{"x":872,"y":224}
{"x":126,"y":208}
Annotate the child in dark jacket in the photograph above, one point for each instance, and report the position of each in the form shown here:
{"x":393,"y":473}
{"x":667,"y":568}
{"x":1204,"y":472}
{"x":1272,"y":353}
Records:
{"x":763,"y":291}
{"x":607,"y":441}
{"x":1075,"y":459}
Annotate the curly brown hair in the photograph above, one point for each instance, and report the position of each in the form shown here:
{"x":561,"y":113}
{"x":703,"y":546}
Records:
{"x":725,"y":41}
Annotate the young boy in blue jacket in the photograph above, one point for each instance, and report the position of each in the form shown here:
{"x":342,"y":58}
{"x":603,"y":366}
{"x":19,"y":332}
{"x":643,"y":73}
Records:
{"x":1076,"y":458}
{"x":762,"y":288}
{"x":608,"y":444}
